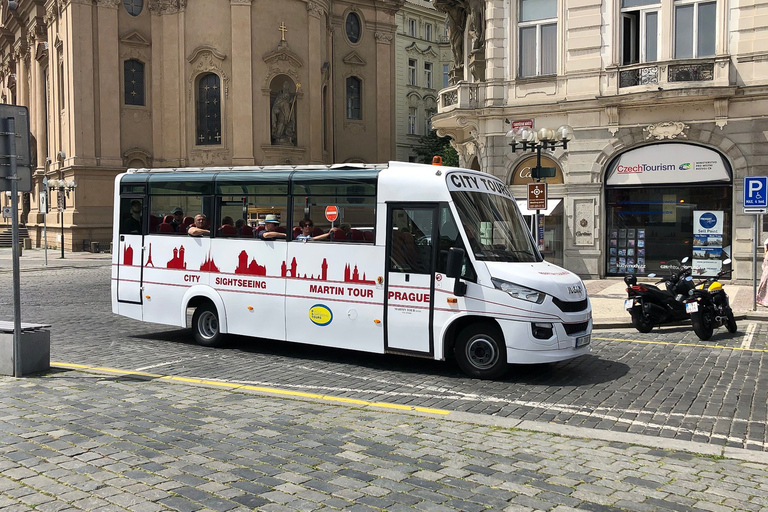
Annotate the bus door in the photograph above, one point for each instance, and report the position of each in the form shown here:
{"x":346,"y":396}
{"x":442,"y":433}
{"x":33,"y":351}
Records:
{"x":130,"y":257}
{"x":410,"y":287}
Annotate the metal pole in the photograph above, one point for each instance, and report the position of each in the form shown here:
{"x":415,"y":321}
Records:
{"x":45,"y":215}
{"x":754,"y":268}
{"x":11,"y":132}
{"x":62,"y":205}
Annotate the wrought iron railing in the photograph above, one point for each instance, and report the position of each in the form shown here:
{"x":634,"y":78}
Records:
{"x":659,"y":72}
{"x":691,"y":72}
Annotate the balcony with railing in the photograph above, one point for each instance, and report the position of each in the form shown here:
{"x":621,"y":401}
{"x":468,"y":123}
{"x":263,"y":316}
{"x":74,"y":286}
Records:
{"x":672,"y":74}
{"x":464,"y":95}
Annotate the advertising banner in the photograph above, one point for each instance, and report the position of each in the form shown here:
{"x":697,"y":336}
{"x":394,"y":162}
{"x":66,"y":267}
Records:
{"x":707,"y":242}
{"x":667,"y":164}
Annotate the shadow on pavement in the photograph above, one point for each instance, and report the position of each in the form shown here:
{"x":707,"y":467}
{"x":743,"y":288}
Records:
{"x":584,"y":370}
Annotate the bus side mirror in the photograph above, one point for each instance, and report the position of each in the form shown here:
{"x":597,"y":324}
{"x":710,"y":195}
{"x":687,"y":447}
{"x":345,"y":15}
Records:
{"x":454,"y":265}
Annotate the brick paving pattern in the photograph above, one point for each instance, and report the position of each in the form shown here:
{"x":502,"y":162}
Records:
{"x":77,"y":441}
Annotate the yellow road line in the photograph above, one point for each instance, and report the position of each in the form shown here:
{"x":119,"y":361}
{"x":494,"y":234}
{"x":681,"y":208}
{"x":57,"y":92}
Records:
{"x":261,"y":389}
{"x":707,"y":345}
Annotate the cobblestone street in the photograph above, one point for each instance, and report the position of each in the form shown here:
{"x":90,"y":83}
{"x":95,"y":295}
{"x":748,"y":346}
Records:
{"x":135,"y":416}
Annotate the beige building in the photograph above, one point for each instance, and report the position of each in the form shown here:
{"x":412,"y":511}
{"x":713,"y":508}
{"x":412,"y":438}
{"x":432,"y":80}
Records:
{"x":112,"y":84}
{"x":668,"y":100}
{"x":423,"y":57}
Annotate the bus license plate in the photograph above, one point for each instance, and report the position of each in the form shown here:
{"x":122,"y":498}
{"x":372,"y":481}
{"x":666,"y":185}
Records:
{"x":629,"y":303}
{"x":691,"y":307}
{"x":583,"y":340}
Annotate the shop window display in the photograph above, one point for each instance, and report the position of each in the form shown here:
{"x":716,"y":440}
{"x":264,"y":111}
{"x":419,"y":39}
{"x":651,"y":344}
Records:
{"x":651,"y":229}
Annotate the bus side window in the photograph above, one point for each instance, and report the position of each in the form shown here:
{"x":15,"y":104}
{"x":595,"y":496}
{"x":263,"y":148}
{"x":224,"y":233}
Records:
{"x":131,"y":216}
{"x":448,"y":236}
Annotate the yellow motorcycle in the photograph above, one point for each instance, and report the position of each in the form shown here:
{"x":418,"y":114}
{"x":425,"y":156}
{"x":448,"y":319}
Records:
{"x":709,"y":308}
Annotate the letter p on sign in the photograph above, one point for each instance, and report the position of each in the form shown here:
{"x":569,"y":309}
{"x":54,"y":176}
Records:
{"x":755,"y":192}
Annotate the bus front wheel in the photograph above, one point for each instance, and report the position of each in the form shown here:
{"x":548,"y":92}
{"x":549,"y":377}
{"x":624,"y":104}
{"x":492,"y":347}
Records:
{"x":205,"y":323}
{"x":480,"y":351}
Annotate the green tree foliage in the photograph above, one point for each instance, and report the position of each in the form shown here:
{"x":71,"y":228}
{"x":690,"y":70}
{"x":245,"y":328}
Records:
{"x":431,"y":145}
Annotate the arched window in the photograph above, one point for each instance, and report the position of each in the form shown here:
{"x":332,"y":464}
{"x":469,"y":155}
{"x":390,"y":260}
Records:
{"x":354,"y":86}
{"x":208,"y":112}
{"x":133,"y":73}
{"x":133,"y":7}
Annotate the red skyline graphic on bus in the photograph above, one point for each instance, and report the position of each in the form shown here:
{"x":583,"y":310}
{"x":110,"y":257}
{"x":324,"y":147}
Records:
{"x":128,"y":255}
{"x":208,"y":265}
{"x":351,"y":274}
{"x":252,"y":268}
{"x":178,"y":259}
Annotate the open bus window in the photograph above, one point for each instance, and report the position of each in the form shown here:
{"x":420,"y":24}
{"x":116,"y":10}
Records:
{"x":173,"y":214}
{"x":355,"y":212}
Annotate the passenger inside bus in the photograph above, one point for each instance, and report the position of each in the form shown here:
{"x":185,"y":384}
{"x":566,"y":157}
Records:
{"x":200,"y":227}
{"x":178,"y":217}
{"x":227,"y":227}
{"x":271,"y":229}
{"x":132,"y":221}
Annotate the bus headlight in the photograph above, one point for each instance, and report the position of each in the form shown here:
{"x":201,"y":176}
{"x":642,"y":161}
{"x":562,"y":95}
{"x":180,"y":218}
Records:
{"x":519,"y":292}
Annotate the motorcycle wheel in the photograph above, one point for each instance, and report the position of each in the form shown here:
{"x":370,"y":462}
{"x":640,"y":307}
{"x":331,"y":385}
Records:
{"x":730,"y":323}
{"x":702,"y":325}
{"x":640,"y":323}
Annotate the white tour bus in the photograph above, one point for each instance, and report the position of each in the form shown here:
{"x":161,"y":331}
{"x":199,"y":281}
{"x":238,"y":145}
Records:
{"x":415,"y":259}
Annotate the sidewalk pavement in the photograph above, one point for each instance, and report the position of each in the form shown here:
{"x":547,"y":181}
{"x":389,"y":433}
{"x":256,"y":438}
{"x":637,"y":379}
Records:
{"x":607,"y":295}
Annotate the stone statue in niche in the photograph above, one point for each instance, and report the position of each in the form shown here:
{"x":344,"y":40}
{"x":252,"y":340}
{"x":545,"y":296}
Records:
{"x":457,"y":17}
{"x":476,"y":23}
{"x":283,"y":116}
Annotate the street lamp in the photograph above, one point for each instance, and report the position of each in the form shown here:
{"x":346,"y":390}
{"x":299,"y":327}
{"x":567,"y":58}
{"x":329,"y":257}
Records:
{"x":64,"y":187}
{"x":534,"y":141}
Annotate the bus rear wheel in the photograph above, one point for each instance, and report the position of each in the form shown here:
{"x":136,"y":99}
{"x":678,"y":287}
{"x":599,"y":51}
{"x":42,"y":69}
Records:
{"x":480,"y":351}
{"x":205,"y":323}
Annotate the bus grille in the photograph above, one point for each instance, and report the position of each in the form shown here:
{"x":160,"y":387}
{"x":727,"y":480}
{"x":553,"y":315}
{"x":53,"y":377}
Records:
{"x":570,"y":307}
{"x":574,"y":328}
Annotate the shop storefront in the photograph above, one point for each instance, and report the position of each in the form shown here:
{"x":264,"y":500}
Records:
{"x":664,"y":202}
{"x":553,"y":233}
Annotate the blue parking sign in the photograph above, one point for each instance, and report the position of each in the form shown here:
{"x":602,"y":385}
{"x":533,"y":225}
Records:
{"x":755,"y":192}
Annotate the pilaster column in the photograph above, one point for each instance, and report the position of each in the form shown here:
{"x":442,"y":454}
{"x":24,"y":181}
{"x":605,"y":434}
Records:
{"x":108,"y":75}
{"x":22,"y":73}
{"x":79,"y":83}
{"x":385,"y":111}
{"x":316,"y":18}
{"x":242,"y":83}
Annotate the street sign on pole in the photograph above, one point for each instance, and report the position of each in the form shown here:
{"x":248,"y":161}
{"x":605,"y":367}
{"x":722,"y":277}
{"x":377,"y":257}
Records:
{"x":755,"y":194}
{"x":537,"y":196}
{"x":19,"y":149}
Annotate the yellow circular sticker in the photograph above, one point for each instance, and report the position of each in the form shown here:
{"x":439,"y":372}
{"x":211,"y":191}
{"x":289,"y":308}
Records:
{"x":320,"y":315}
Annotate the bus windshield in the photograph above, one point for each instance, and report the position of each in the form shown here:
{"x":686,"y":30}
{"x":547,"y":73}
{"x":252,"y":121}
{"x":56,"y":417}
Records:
{"x":494,"y":227}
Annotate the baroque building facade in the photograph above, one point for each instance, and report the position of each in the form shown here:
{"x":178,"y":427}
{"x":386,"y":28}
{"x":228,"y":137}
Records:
{"x":423,"y":58}
{"x":668,"y":102}
{"x":113,"y":84}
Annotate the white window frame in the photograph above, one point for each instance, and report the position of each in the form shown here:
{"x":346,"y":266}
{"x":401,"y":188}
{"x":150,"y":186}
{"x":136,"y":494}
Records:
{"x":412,"y":28}
{"x":412,"y":71}
{"x":428,"y":75}
{"x":428,"y":121}
{"x":695,"y":30}
{"x":412,"y":115}
{"x":428,"y":31}
{"x":446,"y":75}
{"x":538,"y":24}
{"x":642,"y":40}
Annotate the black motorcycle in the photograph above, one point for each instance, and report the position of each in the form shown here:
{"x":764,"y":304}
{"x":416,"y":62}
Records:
{"x":651,"y":305}
{"x":709,"y":307}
